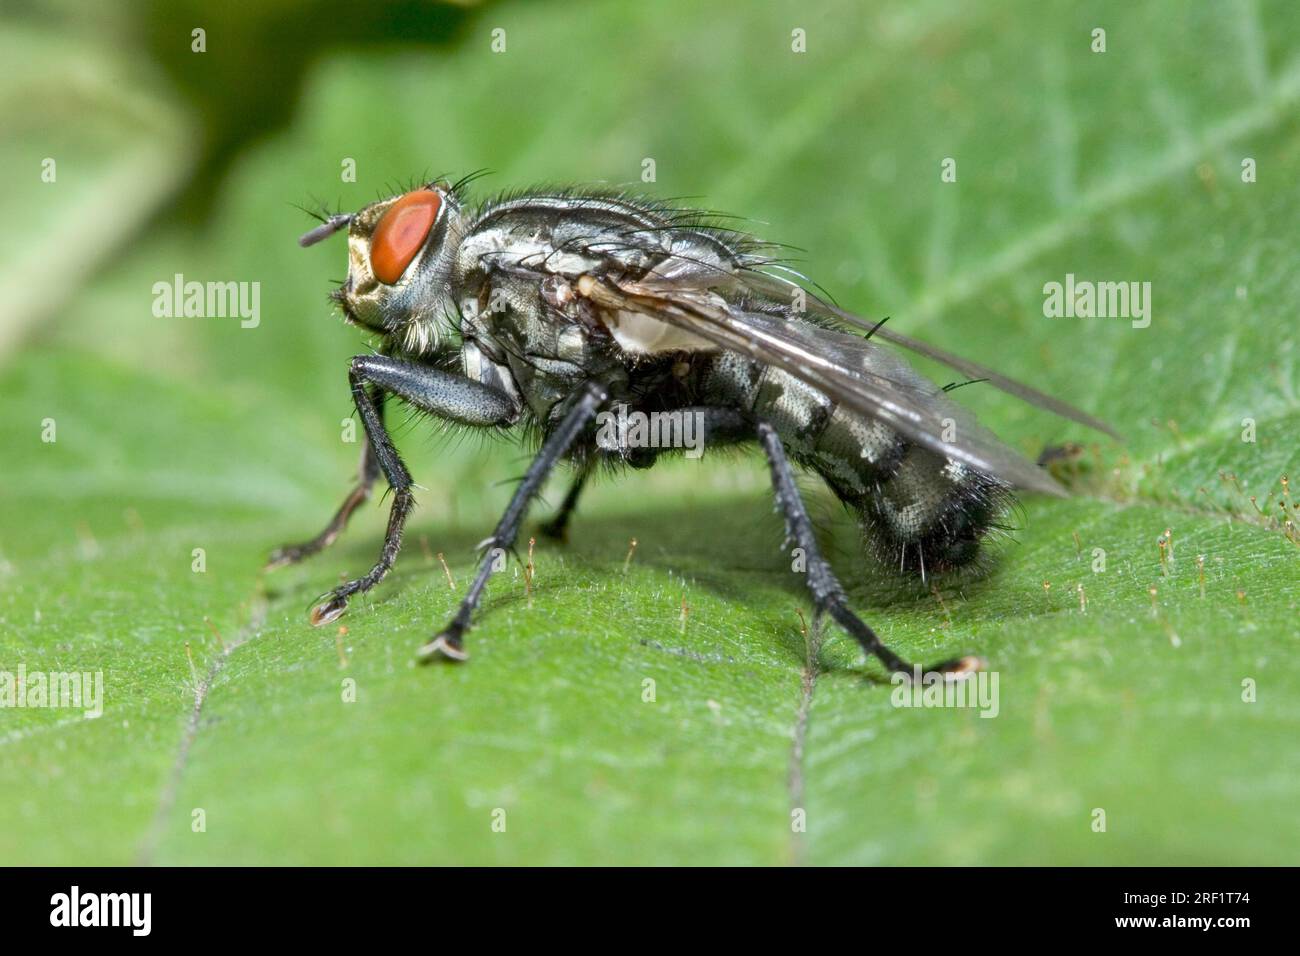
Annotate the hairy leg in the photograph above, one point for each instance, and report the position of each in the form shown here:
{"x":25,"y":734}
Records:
{"x":718,"y":426}
{"x":366,"y":475}
{"x":440,"y":393}
{"x":558,"y":527}
{"x":827,"y":593}
{"x":449,"y":643}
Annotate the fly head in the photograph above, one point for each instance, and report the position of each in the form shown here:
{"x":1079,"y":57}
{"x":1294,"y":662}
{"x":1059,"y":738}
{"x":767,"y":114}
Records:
{"x":399,"y":258}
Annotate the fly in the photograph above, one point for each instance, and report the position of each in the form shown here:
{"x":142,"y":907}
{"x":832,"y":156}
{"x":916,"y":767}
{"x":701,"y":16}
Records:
{"x":539,"y":311}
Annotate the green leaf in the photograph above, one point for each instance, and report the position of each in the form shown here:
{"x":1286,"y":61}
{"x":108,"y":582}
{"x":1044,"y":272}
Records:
{"x":1120,"y":690}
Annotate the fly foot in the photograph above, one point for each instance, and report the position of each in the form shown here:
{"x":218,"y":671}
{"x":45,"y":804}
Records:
{"x":330,"y":608}
{"x":957,"y":669}
{"x":446,"y":646}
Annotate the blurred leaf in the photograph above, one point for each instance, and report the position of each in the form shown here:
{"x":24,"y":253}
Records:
{"x":176,"y":434}
{"x":92,"y":145}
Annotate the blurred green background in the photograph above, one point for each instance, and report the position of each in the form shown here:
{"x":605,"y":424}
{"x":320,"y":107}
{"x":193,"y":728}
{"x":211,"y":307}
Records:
{"x":175,"y":434}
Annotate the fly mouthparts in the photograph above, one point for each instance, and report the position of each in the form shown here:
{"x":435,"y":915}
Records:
{"x":326,"y":229}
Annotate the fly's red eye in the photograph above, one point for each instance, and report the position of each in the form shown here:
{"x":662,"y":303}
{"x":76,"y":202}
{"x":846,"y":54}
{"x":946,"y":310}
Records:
{"x":401,"y":232}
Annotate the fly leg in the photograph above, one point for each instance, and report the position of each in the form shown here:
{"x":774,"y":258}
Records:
{"x":715,"y":426}
{"x":449,"y":642}
{"x":558,"y":527}
{"x":828,"y":595}
{"x":367,"y":473}
{"x":440,"y":393}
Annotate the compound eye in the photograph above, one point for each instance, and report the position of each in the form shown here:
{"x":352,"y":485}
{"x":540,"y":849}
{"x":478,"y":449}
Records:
{"x":401,"y":232}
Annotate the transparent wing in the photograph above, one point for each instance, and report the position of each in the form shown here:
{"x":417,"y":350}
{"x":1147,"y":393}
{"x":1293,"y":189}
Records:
{"x":781,"y":289}
{"x":848,"y":369}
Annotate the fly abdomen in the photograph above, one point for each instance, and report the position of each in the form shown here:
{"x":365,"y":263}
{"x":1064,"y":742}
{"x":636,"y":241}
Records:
{"x":919,"y":511}
{"x":932,"y":513}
